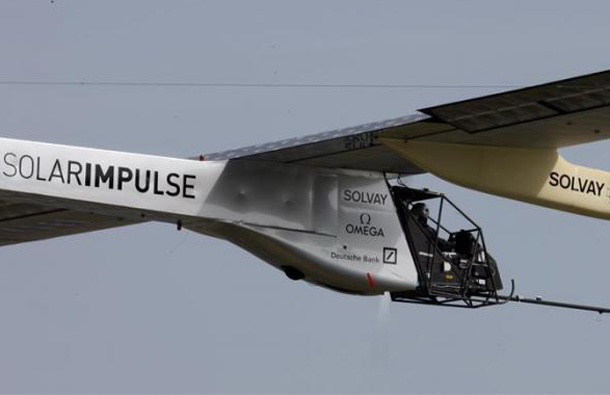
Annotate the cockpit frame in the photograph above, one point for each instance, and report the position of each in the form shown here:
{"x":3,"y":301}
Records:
{"x":454,"y":267}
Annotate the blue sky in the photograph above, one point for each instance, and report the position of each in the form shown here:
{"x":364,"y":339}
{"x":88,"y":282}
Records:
{"x":148,"y":309}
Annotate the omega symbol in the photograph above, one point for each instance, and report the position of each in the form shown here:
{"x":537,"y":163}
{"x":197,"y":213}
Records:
{"x":365,"y":219}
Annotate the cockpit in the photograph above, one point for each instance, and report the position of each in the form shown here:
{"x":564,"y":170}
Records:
{"x":448,"y":249}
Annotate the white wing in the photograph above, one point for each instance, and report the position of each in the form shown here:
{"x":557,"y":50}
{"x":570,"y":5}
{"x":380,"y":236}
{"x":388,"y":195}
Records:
{"x":551,"y":116}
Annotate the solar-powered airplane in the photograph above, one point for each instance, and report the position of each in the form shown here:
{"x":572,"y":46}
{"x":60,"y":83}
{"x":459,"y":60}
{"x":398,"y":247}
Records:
{"x":336,"y":209}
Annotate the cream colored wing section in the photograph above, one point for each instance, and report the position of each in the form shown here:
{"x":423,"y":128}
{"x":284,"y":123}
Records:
{"x":507,"y":144}
{"x":534,"y":175}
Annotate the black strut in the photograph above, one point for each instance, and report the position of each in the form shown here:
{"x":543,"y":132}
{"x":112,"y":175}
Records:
{"x":551,"y":303}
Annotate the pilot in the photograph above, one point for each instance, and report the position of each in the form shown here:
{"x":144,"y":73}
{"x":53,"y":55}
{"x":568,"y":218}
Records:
{"x":421,"y":212}
{"x":465,"y":243}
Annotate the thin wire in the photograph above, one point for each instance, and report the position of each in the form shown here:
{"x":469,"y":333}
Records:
{"x":245,"y":85}
{"x":180,"y":243}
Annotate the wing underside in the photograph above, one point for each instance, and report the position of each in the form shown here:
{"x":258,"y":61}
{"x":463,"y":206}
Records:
{"x":25,"y":221}
{"x":552,"y":115}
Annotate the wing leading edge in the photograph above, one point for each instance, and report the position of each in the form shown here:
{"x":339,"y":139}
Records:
{"x":552,"y":115}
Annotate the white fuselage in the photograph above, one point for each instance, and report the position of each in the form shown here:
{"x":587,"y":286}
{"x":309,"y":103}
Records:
{"x":337,"y":227}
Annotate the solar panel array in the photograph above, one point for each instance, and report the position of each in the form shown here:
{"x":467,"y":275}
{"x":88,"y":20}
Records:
{"x":529,"y":104}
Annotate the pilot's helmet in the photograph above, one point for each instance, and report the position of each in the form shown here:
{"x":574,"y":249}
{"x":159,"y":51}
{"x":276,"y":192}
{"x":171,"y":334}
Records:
{"x":420,"y":211}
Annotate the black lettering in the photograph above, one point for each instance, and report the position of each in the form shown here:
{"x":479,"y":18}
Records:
{"x":88,"y":174}
{"x":31,"y":169}
{"x":139,"y":187}
{"x":554,"y":179}
{"x":582,"y":187}
{"x":38,"y":170}
{"x":125,"y":175}
{"x":364,"y":197}
{"x":56,"y":172}
{"x":566,"y":184}
{"x":186,"y":186}
{"x":12,"y":165}
{"x":576,"y":184}
{"x":73,"y":172}
{"x":101,"y":176}
{"x":346,"y":257}
{"x":156,"y":190}
{"x":599,"y":186}
{"x":173,"y":184}
{"x":364,"y":230}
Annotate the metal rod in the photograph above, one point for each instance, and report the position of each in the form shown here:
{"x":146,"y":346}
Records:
{"x":460,"y":211}
{"x":551,"y":303}
{"x":435,"y":246}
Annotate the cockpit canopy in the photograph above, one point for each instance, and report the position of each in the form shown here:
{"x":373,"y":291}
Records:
{"x":448,"y":248}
